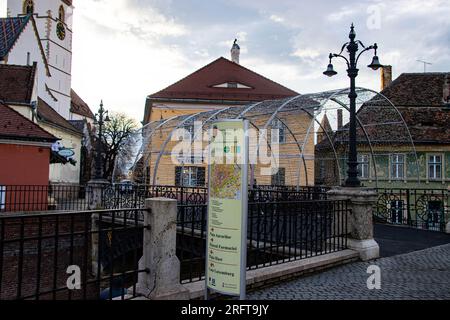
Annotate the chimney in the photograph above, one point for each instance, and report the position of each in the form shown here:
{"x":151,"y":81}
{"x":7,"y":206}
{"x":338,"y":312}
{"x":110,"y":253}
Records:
{"x":386,"y":77}
{"x":235,"y":52}
{"x":340,"y":119}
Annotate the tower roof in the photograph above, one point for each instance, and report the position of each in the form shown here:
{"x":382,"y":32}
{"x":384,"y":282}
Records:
{"x":10,"y":30}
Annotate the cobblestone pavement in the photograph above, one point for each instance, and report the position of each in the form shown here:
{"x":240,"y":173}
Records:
{"x":423,"y":275}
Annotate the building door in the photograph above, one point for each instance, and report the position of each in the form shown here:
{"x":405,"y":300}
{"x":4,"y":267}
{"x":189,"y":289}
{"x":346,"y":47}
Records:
{"x":397,"y":211}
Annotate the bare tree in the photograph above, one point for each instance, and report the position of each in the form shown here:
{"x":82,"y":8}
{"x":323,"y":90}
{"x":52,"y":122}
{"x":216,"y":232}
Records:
{"x":116,"y":133}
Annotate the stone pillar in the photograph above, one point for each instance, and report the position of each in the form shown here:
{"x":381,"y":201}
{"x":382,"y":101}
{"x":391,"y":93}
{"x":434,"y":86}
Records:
{"x":95,"y":190}
{"x":159,"y":253}
{"x":360,"y":221}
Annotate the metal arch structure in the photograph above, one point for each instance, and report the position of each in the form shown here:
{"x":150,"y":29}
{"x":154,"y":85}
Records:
{"x":403,"y":120}
{"x":262,"y":114}
{"x":167,"y":141}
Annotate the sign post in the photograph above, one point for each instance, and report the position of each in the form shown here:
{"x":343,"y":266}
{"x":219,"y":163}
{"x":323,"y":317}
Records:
{"x":226,"y":255}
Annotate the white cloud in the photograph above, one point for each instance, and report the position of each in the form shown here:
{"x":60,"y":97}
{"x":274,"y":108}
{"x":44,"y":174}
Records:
{"x":306,"y":53}
{"x":276,"y":18}
{"x":115,"y":62}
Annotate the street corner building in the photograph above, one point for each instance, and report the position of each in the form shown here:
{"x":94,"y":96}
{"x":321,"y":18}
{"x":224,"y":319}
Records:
{"x":25,"y":154}
{"x":224,"y":89}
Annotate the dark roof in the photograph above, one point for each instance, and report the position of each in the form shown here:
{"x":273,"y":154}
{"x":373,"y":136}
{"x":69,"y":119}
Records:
{"x":80,"y":107}
{"x":200,"y":85}
{"x":16,"y":83}
{"x":421,"y":100}
{"x":15,"y":126}
{"x":10,"y":29}
{"x":48,"y":114}
{"x":418,"y":89}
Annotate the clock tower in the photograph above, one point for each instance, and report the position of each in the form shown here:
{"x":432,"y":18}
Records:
{"x":53,"y":20}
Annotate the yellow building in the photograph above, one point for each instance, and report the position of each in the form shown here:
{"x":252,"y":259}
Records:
{"x":224,"y":89}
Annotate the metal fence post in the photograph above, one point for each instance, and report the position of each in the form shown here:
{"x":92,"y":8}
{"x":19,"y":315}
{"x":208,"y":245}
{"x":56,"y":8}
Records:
{"x":162,"y":282}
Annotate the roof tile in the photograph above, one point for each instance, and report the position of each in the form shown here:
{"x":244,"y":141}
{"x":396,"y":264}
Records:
{"x":47,"y":113}
{"x":80,"y":107}
{"x":16,"y":83}
{"x":14,"y":125}
{"x":200,"y":84}
{"x":10,"y":29}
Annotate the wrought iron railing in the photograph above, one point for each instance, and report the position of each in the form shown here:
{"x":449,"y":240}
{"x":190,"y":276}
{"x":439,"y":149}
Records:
{"x":15,"y":198}
{"x":427,"y":209}
{"x":278,"y":232}
{"x":66,"y":256}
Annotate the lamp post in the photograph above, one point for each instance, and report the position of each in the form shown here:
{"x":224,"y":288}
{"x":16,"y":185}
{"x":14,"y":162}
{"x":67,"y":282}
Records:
{"x":100,"y":118}
{"x":352,"y":48}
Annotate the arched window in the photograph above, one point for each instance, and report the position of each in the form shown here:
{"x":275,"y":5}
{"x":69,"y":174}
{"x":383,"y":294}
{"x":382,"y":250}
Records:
{"x":28,"y":7}
{"x":62,"y":14}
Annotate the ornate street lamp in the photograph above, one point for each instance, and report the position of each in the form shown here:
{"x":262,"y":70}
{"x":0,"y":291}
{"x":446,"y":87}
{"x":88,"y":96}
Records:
{"x":100,"y":118}
{"x":353,"y":47}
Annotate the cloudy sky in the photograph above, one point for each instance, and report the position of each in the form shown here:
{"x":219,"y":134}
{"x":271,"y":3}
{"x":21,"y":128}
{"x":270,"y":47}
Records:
{"x":125,"y":50}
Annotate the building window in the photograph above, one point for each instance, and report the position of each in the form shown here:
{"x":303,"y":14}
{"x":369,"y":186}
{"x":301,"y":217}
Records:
{"x":278,"y":131}
{"x":279,"y":179}
{"x":363,"y":166}
{"x":190,"y":176}
{"x":434,"y":167}
{"x":2,"y":197}
{"x":62,"y":14}
{"x":28,"y":7}
{"x":397,"y":166}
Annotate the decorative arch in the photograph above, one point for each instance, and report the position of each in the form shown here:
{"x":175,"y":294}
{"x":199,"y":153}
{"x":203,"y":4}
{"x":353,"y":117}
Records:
{"x":62,"y":14}
{"x":28,"y":7}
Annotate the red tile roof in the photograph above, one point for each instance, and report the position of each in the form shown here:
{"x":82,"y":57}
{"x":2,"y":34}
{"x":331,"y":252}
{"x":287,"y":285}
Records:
{"x":16,"y":83}
{"x":200,"y":85}
{"x":15,"y":126}
{"x":80,"y":107}
{"x":48,"y":114}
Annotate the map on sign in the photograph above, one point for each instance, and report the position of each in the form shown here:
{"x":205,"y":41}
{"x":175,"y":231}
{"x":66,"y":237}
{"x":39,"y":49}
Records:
{"x":226,"y":181}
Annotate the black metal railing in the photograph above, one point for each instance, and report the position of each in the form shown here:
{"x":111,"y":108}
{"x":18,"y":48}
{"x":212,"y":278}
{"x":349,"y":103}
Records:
{"x":133,"y":196}
{"x":427,"y":209}
{"x":86,"y":255}
{"x":120,"y":196}
{"x":278,"y":232}
{"x":15,"y":198}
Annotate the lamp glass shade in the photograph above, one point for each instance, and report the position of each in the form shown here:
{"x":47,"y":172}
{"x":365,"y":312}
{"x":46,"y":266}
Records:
{"x":330,"y":71}
{"x":375,"y":65}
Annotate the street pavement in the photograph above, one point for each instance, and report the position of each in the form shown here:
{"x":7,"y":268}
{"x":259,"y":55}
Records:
{"x":421,"y":275}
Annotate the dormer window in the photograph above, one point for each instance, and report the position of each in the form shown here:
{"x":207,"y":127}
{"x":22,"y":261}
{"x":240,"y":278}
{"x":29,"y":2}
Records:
{"x":62,"y":14}
{"x":28,"y":7}
{"x":232,"y":85}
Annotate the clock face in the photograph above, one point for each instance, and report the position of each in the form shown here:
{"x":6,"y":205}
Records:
{"x":60,"y":31}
